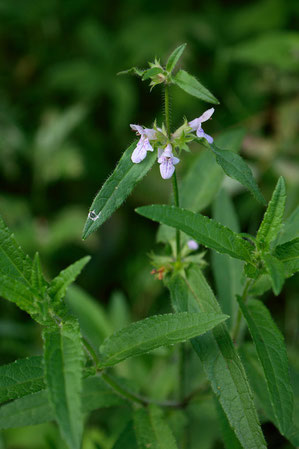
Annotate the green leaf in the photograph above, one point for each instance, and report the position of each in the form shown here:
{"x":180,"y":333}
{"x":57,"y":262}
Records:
{"x":20,"y":378}
{"x":203,"y":229}
{"x":63,"y":371}
{"x":160,"y":330}
{"x":235,"y":167}
{"x":272,"y":220}
{"x":117,"y":187}
{"x":227,"y":271}
{"x":151,"y":429}
{"x":59,"y":285}
{"x":220,"y":360}
{"x":272,"y":354}
{"x":127,"y":438}
{"x":290,"y":228}
{"x":229,"y":438}
{"x":37,"y":279}
{"x":193,"y":87}
{"x":36,"y":408}
{"x":288,"y":253}
{"x":174,"y":58}
{"x":151,"y":72}
{"x":132,"y":71}
{"x":275,"y":269}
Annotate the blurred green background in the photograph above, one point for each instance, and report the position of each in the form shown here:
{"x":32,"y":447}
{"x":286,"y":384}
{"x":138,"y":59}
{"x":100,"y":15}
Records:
{"x":64,"y":122}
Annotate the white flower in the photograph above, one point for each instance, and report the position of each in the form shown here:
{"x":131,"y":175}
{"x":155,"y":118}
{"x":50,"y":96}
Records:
{"x":143,"y":146}
{"x":196,"y":125}
{"x":192,"y":244}
{"x":167,"y":161}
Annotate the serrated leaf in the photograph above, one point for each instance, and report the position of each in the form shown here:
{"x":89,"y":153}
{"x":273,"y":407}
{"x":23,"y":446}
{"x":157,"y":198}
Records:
{"x":229,"y":438}
{"x":193,"y":87}
{"x":272,"y":354}
{"x":36,"y":408}
{"x":117,"y":187}
{"x":290,"y":227}
{"x":160,"y":330}
{"x":151,"y":429}
{"x":227,"y":271}
{"x":220,"y":360}
{"x":20,"y":378}
{"x":93,"y":320}
{"x":276,"y":272}
{"x":288,"y":253}
{"x":127,"y":438}
{"x":272,"y":220}
{"x":235,"y":167}
{"x":60,"y":283}
{"x":174,"y":58}
{"x":63,"y":373}
{"x":37,"y":279}
{"x":204,"y":230}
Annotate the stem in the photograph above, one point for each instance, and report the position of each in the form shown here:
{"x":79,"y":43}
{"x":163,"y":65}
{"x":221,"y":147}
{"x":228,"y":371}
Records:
{"x":174,"y":178}
{"x":236,"y":330}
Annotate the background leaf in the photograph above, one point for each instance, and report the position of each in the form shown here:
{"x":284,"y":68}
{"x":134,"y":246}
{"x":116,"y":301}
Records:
{"x":193,"y":87}
{"x":275,"y":269}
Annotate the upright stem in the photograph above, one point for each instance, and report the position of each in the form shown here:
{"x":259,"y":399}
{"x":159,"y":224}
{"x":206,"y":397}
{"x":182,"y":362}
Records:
{"x":174,"y":178}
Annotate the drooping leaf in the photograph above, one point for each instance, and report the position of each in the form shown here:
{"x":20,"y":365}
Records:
{"x":153,"y":332}
{"x":59,"y":285}
{"x":94,"y":322}
{"x":174,"y":57}
{"x":227,"y":271}
{"x":288,"y":253}
{"x":193,"y":87}
{"x":20,"y":378}
{"x":276,"y":272}
{"x":235,"y":167}
{"x":204,"y":230}
{"x":272,"y":220}
{"x":116,"y":189}
{"x":151,"y":429}
{"x":127,"y":438}
{"x":220,"y":360}
{"x":290,"y":227}
{"x":273,"y":357}
{"x":63,"y":372}
{"x":36,"y":408}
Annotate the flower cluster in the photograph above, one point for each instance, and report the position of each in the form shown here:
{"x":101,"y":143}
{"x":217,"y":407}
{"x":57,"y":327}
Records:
{"x":166,"y":158}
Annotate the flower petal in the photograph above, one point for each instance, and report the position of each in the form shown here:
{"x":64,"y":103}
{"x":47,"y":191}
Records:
{"x":200,"y":133}
{"x":150,"y":133}
{"x":139,"y":129}
{"x":194,"y":124}
{"x":139,"y":153}
{"x":175,"y":160}
{"x":206,"y":115}
{"x":167,"y":168}
{"x":160,"y":152}
{"x":192,"y":244}
{"x":147,"y":145}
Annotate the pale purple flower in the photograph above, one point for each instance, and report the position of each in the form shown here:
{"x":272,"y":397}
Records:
{"x":196,"y":125}
{"x":192,"y":244}
{"x":167,"y":161}
{"x":143,"y":146}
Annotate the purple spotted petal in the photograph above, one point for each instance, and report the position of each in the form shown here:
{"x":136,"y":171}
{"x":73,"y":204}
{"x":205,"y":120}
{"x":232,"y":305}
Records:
{"x":147,"y":145}
{"x":139,"y":153}
{"x":167,"y":168}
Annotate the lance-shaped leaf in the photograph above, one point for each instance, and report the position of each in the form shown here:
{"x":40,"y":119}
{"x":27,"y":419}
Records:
{"x":204,"y":230}
{"x":20,"y":378}
{"x":273,"y":357}
{"x":288,"y":253}
{"x":127,"y":438}
{"x":116,"y":189}
{"x":174,"y":58}
{"x":228,"y":435}
{"x":272,"y":220}
{"x":37,"y":279}
{"x":63,"y":371}
{"x":59,"y":285}
{"x":152,"y":431}
{"x":193,"y":87}
{"x":132,"y":71}
{"x":220,"y":360}
{"x":153,"y":332}
{"x":235,"y":167}
{"x":276,"y":271}
{"x":290,"y":228}
{"x":36,"y":408}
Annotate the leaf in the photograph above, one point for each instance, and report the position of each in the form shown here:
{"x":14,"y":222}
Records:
{"x":174,"y":58}
{"x":203,"y":229}
{"x":160,"y":330}
{"x":290,"y":228}
{"x":20,"y":378}
{"x":63,"y":371}
{"x":235,"y":167}
{"x":229,"y":438}
{"x":117,"y":187}
{"x":151,"y":429}
{"x":94,"y":323}
{"x":288,"y":253}
{"x":36,"y":408}
{"x":127,"y":438}
{"x":59,"y":285}
{"x":37,"y":279}
{"x":275,"y":269}
{"x":272,"y":354}
{"x":272,"y":220}
{"x":151,"y":72}
{"x":132,"y":71}
{"x":193,"y":87}
{"x":220,"y":360}
{"x":227,"y":271}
